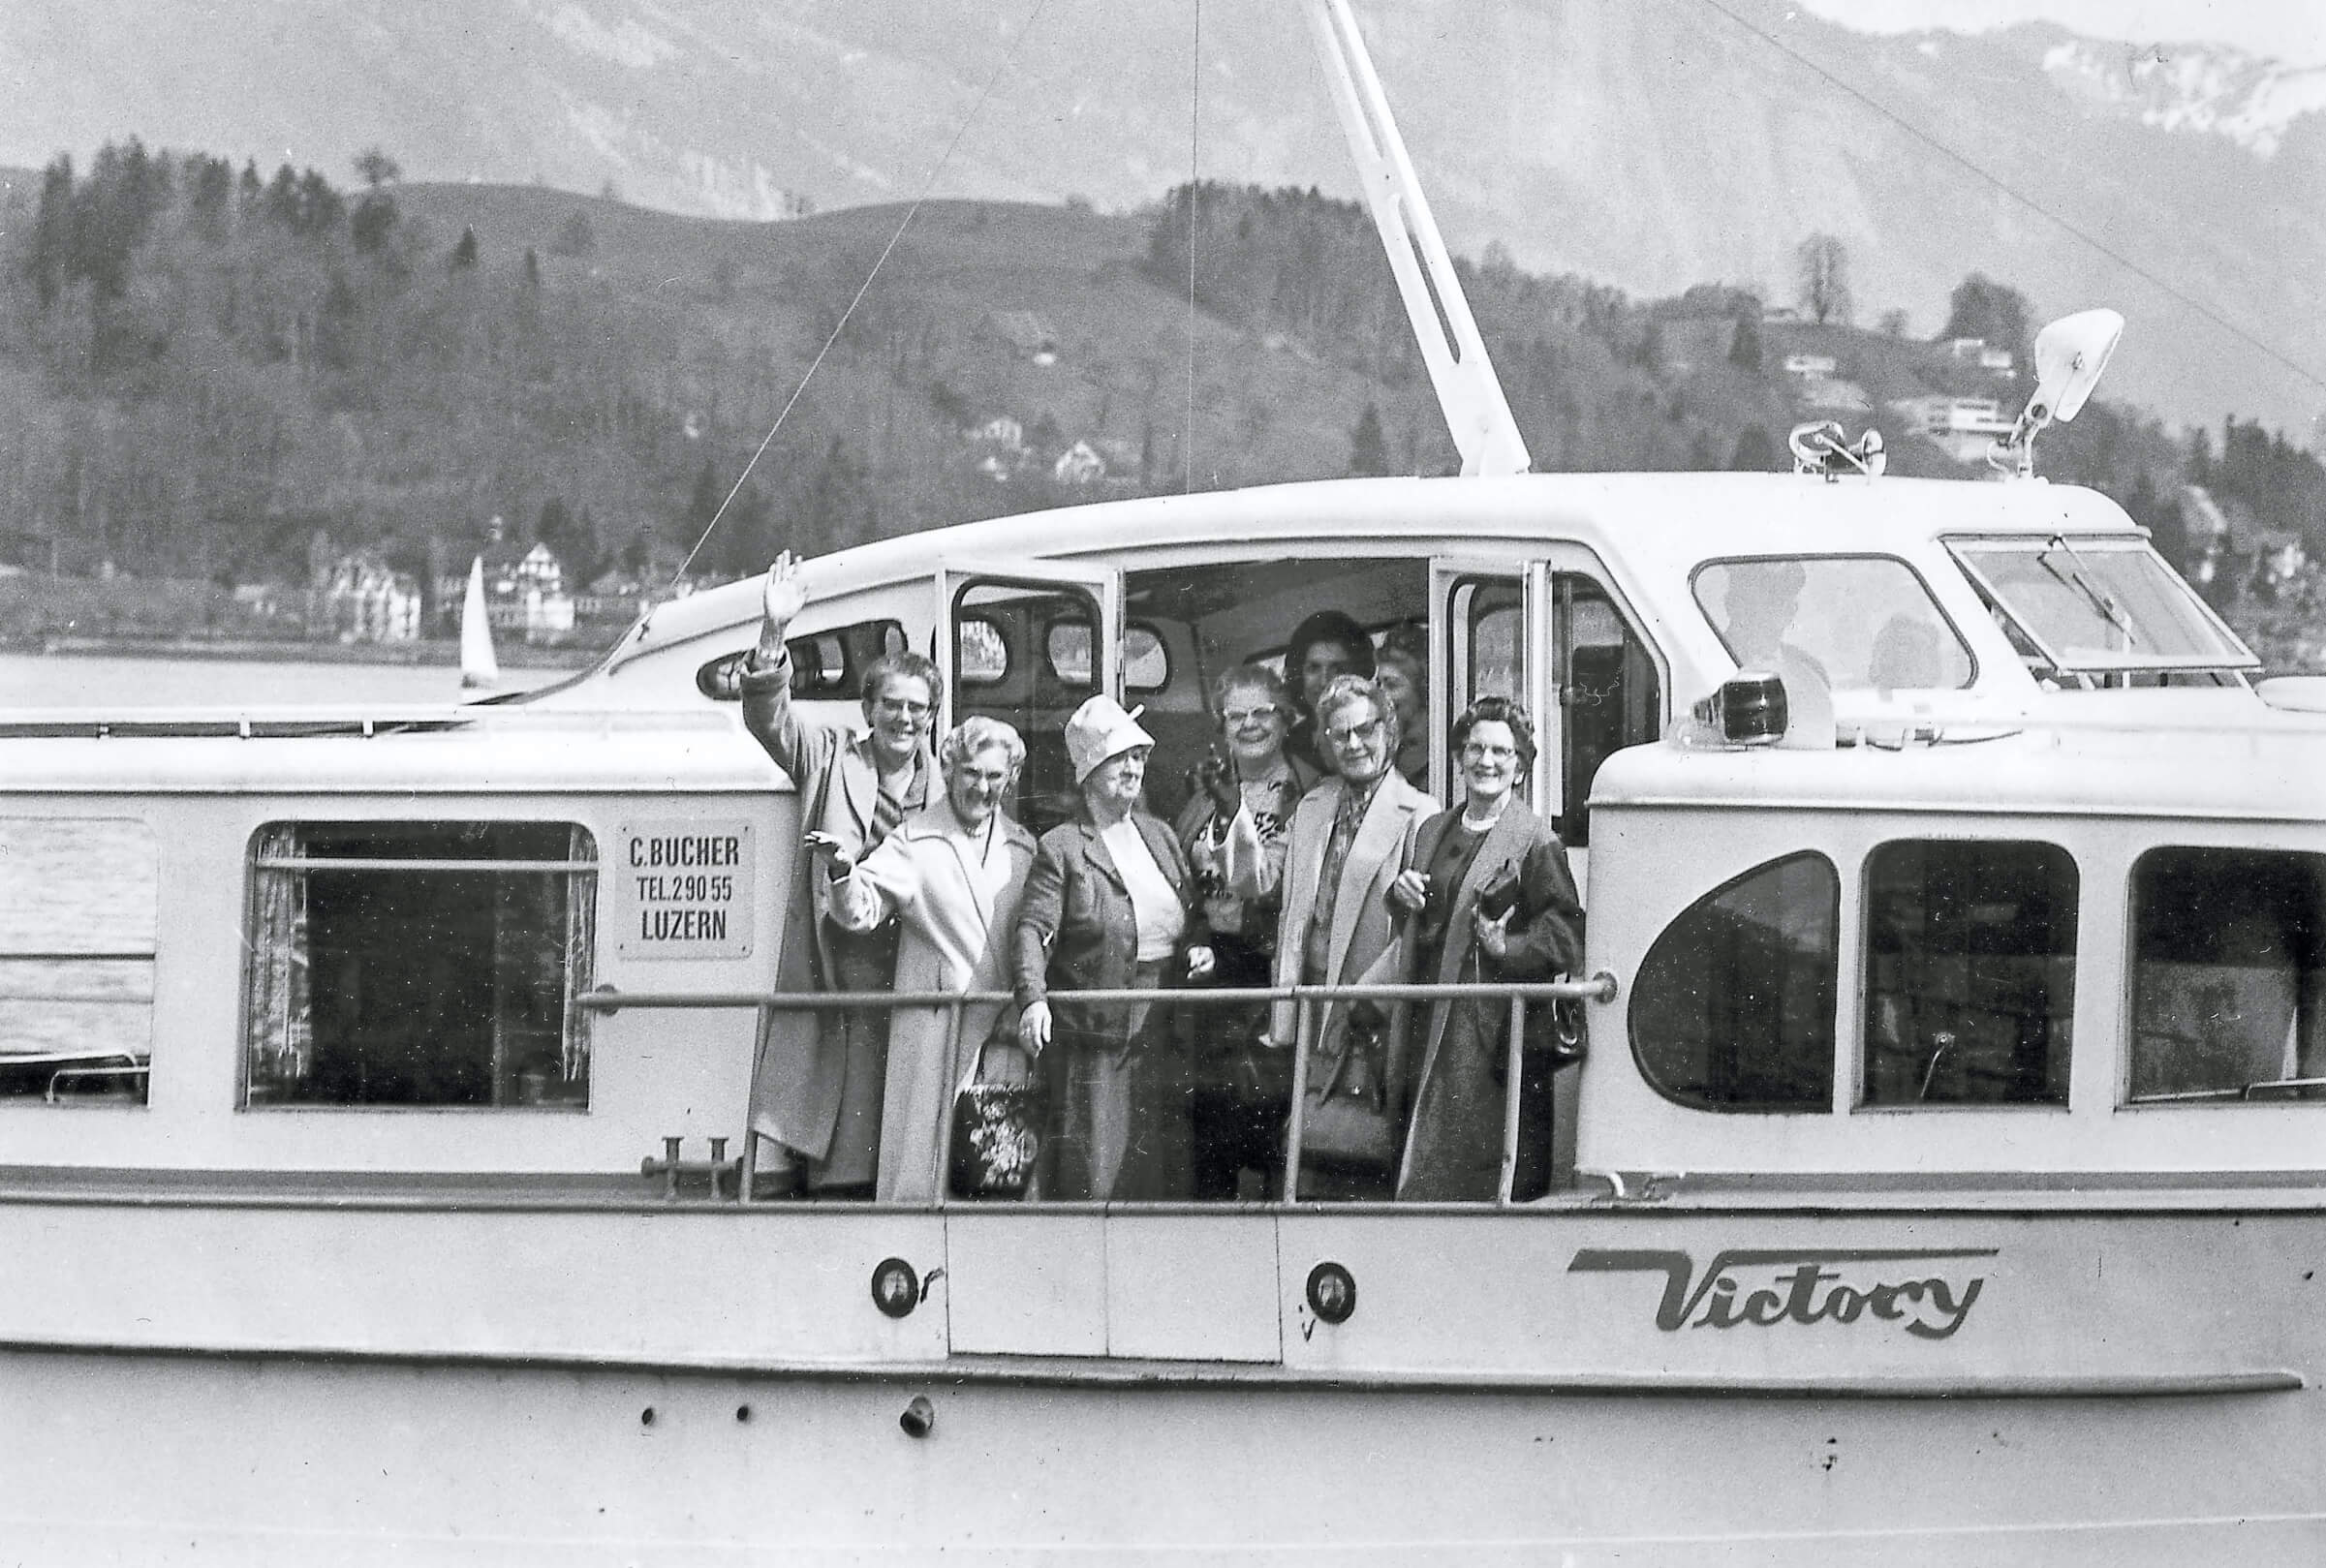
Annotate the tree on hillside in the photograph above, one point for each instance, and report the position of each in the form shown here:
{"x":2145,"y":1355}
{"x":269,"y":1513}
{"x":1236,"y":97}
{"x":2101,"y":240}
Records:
{"x":1821,"y":267}
{"x":1368,"y":449}
{"x":1982,"y":308}
{"x":1744,"y":345}
{"x":376,"y":168}
{"x":464,"y":253}
{"x":1755,"y":451}
{"x":1893,"y":323}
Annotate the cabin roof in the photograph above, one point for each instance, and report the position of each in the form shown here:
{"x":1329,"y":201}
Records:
{"x":2227,"y":762}
{"x":1657,"y":522}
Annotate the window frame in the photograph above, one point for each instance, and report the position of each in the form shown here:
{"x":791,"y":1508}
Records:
{"x":575,"y":1030}
{"x":2128,"y":1031}
{"x":1953,"y":628}
{"x":1823,"y":1103}
{"x":1861,"y":1065}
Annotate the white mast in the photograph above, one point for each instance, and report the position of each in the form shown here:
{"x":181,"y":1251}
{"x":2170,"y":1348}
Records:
{"x":478,"y":668}
{"x":1468,"y":390}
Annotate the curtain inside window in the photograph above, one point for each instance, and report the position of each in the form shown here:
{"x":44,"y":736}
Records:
{"x":581,"y":940}
{"x":281,"y":1021}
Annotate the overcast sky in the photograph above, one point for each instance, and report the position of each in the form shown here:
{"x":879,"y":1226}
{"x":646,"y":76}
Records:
{"x":2291,"y":30}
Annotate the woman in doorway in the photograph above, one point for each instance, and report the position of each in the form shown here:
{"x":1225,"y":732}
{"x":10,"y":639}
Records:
{"x":1486,"y":896}
{"x":1325,"y":647}
{"x":1110,"y":904}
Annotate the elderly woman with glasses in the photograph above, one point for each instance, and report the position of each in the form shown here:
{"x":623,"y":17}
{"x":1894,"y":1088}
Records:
{"x":1110,"y":904}
{"x":1486,"y":896}
{"x":818,"y":1086}
{"x":1236,"y":1108}
{"x":1348,"y":838}
{"x":952,"y":875}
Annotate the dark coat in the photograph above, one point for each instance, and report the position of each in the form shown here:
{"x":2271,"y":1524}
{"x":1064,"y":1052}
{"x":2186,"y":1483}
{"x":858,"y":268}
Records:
{"x":1077,"y":931}
{"x":797,"y":1082}
{"x":1454,"y":1144}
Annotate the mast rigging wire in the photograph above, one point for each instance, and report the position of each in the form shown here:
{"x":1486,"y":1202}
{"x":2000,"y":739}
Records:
{"x":1187,"y":436}
{"x":1008,"y":57}
{"x":1964,"y":162}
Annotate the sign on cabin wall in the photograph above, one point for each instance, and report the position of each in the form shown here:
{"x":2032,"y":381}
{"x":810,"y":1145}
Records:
{"x":682,"y":888}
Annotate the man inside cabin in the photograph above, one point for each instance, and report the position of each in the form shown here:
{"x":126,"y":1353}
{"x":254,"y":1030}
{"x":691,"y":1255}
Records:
{"x":818,"y":1086}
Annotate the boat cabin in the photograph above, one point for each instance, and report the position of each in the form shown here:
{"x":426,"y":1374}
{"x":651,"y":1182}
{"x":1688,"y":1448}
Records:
{"x":318,"y":943}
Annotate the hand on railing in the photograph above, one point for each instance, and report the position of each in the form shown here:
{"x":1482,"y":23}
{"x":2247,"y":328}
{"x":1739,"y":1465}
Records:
{"x":1034,"y":1027}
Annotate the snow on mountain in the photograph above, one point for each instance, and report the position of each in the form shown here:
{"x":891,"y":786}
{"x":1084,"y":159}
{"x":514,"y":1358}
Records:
{"x":2249,"y":99}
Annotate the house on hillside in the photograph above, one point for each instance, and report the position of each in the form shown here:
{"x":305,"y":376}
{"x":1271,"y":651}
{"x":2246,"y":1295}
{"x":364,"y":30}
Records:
{"x":525,"y":593}
{"x":1079,"y":464}
{"x":999,"y":447}
{"x":1975,"y":350}
{"x":2230,"y":543}
{"x":1829,"y":394}
{"x":365,"y":600}
{"x":1810,"y":366}
{"x":1962,"y":427}
{"x":1024,"y":334}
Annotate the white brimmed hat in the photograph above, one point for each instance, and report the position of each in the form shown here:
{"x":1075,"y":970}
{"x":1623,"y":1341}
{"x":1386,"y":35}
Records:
{"x":1100,"y":729}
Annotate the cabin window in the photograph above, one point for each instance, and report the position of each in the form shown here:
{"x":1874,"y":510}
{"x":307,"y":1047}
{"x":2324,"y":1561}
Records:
{"x":824,"y":664}
{"x":1610,"y":696}
{"x":1856,"y":623}
{"x":2228,"y":975}
{"x":1733,"y":1006}
{"x":78,"y":898}
{"x":1970,"y":955}
{"x":419,"y":964}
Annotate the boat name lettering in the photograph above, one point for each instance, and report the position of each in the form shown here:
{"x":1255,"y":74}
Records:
{"x":687,"y":849}
{"x":685,"y":890}
{"x":1836,"y":1285}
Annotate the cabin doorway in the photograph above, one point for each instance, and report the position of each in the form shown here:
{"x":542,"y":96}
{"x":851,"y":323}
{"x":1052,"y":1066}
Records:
{"x":1028,"y":643}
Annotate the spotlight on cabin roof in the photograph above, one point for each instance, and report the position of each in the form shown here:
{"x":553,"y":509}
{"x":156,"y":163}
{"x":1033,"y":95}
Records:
{"x":1749,"y":709}
{"x":2070,"y":355}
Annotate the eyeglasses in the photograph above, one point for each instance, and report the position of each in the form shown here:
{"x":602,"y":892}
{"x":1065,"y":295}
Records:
{"x":1482,"y":749}
{"x":901,"y":707}
{"x":1364,"y":734}
{"x":1238,"y":717}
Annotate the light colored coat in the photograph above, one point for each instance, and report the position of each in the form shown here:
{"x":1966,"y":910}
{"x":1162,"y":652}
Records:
{"x":803,"y":1066}
{"x":1362,"y":943}
{"x":958,"y":935}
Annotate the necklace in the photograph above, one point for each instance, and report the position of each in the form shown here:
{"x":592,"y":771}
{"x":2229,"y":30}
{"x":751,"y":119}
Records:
{"x":1472,"y":821}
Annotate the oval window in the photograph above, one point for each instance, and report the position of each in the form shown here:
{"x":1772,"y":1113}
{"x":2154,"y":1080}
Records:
{"x":1733,"y":1006}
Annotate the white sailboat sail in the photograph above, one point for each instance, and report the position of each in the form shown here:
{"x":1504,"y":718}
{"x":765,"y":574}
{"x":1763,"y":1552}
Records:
{"x":478,"y":668}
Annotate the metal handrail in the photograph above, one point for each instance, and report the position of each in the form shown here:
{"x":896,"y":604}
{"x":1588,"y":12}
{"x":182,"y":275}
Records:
{"x":1601,"y":988}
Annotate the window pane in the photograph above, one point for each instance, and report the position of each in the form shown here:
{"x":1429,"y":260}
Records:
{"x":1069,"y":651}
{"x":2229,"y":962}
{"x":374,"y":983}
{"x":1733,"y":1007}
{"x":2102,"y":605}
{"x":1858,"y":622}
{"x":1146,"y":668}
{"x":1970,"y":955}
{"x":77,"y":900}
{"x":980,"y":655}
{"x":1613,"y":697}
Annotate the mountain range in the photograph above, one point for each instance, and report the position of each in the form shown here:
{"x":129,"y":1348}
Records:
{"x":1649,"y":144}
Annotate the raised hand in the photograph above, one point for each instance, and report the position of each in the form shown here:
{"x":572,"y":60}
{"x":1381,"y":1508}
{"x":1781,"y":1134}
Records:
{"x":785,"y":598}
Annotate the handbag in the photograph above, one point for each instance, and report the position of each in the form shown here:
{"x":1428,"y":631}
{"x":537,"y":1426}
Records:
{"x":1344,"y":1119}
{"x":997,"y":1133}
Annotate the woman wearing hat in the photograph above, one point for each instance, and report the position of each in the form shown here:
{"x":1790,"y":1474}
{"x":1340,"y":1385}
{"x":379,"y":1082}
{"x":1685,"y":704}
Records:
{"x":1109,"y":905}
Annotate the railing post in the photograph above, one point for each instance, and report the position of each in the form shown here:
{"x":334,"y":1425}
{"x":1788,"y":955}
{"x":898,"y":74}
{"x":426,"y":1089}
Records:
{"x":1293,"y":1117}
{"x":1514,"y":1060}
{"x":957,"y":1081}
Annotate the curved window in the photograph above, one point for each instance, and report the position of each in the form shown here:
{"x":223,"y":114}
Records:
{"x":1857,"y":623}
{"x":1970,"y":959}
{"x":2228,"y":975}
{"x":1733,"y":1007}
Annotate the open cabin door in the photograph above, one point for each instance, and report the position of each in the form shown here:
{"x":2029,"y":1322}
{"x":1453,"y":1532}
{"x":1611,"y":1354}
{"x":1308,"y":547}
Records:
{"x":1490,"y":630}
{"x":1551,"y":634}
{"x":1028,"y":642}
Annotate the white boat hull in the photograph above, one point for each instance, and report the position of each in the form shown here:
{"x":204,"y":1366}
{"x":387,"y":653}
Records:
{"x":360,"y":1381}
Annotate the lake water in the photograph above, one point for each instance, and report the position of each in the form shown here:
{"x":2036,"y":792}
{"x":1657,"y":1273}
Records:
{"x":77,"y":681}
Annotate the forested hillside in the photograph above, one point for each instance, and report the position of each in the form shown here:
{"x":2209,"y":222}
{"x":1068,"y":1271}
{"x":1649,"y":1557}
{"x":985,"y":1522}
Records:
{"x":210,"y":373}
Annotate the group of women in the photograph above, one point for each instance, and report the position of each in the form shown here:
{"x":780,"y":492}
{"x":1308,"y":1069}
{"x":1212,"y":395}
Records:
{"x":1304,"y":857}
